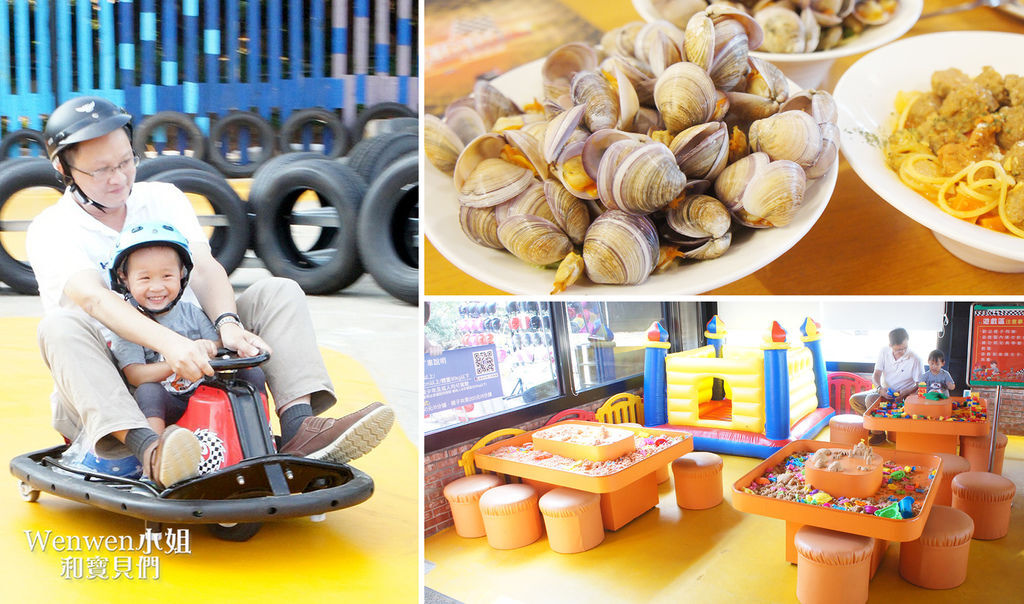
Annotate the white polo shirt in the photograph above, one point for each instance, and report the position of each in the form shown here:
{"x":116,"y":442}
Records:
{"x":899,"y":374}
{"x":64,"y":239}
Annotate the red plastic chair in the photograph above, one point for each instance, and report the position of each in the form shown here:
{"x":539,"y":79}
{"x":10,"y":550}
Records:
{"x":581,"y":414}
{"x":841,"y":386}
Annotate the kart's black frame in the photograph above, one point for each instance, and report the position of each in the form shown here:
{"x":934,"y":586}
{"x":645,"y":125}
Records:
{"x":263,"y":486}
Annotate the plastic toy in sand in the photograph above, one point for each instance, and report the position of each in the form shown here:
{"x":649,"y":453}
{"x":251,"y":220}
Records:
{"x":841,"y":472}
{"x":739,"y":400}
{"x":917,"y":424}
{"x":896,"y":511}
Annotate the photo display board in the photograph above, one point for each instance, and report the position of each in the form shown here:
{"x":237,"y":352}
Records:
{"x":996,"y":346}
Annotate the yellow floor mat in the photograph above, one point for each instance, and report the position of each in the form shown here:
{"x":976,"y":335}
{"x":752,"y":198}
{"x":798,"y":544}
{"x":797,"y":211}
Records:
{"x":368,"y":552}
{"x":717,"y":555}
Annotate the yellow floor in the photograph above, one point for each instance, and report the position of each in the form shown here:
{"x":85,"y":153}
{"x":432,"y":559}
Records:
{"x":364,"y":553}
{"x":716,"y":556}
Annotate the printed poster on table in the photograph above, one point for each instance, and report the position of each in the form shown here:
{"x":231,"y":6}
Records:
{"x":459,"y":377}
{"x":996,"y":346}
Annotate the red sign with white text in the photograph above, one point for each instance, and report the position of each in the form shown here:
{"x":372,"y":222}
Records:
{"x":997,"y":346}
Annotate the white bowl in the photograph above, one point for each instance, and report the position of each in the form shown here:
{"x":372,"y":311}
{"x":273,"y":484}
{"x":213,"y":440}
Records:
{"x":809,"y":69}
{"x":865,"y":95}
{"x":751,"y":249}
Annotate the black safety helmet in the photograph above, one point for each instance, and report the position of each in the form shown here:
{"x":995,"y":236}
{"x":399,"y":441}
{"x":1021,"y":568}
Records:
{"x":80,"y":119}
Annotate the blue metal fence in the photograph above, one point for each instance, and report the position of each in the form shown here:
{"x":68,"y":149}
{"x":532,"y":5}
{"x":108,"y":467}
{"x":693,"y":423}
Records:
{"x":204,"y":57}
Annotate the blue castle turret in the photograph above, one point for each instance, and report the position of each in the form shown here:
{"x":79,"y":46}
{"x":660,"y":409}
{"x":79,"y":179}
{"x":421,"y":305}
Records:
{"x":812,"y":340}
{"x":655,"y":386}
{"x":776,"y":384}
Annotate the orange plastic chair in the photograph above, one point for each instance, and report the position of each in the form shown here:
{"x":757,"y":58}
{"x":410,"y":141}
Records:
{"x":841,"y":386}
{"x":467,"y":462}
{"x":581,"y":414}
{"x":622,"y":408}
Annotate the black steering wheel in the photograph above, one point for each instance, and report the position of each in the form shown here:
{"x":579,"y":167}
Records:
{"x":228,"y":360}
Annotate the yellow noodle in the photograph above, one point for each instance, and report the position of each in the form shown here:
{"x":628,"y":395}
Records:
{"x":969,"y":171}
{"x":906,"y":111}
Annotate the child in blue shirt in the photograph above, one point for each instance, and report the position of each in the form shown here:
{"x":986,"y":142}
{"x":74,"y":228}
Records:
{"x":935,"y":378}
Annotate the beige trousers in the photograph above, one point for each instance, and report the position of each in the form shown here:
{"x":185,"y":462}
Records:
{"x":860,"y":402}
{"x":91,"y":399}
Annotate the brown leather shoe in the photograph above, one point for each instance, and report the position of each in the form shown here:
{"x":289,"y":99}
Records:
{"x":344,"y":439}
{"x":175,"y":457}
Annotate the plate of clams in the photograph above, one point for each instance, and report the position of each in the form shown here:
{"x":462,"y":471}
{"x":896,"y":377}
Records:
{"x":661,"y":161}
{"x":806,"y":36}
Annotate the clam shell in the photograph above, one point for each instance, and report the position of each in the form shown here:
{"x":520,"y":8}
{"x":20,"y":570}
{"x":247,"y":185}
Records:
{"x":491,"y":103}
{"x":646,"y":180}
{"x":611,"y":158}
{"x":818,"y":103}
{"x":568,"y":211}
{"x":701,"y":151}
{"x":441,"y":145}
{"x":729,"y":67}
{"x":792,"y":135}
{"x":621,"y":40}
{"x":711,"y":249}
{"x":531,"y":201}
{"x":529,"y":146}
{"x":620,"y":248}
{"x":720,"y":12}
{"x":873,"y":12}
{"x":560,"y":129}
{"x":699,"y":217}
{"x":760,"y":192}
{"x":685,"y":96}
{"x":482,"y":178}
{"x":601,"y":103}
{"x":533,"y":239}
{"x":699,"y":44}
{"x":480,"y":225}
{"x":563,"y":63}
{"x":783,"y":30}
{"x":464,"y":121}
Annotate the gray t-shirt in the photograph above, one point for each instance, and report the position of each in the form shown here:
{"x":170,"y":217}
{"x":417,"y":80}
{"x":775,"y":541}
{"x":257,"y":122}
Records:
{"x":936,"y":382}
{"x":186,"y":319}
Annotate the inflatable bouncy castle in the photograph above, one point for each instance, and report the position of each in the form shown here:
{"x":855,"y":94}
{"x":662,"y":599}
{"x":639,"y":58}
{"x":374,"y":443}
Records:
{"x":739,"y":400}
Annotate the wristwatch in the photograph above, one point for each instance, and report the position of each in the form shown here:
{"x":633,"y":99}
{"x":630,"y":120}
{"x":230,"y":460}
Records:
{"x":228,"y":317}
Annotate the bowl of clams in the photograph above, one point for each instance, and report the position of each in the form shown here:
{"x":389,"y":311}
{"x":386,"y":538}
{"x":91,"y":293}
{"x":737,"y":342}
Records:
{"x":934,"y":124}
{"x":804,"y":37}
{"x":651,"y":163}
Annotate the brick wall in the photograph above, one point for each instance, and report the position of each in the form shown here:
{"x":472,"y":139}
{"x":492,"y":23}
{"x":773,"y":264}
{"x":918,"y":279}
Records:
{"x":442,"y":466}
{"x":1011,"y":409}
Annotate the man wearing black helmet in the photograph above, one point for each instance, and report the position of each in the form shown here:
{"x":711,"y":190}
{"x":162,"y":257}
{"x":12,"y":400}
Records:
{"x":88,"y":140}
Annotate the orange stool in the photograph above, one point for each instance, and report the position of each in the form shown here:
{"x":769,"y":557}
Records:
{"x":463,"y":497}
{"x":975,"y":450}
{"x":951,"y":466}
{"x":832,"y":567}
{"x":938,"y":558}
{"x":847,"y":429}
{"x":572,"y":520}
{"x":511,"y":516}
{"x":986,"y":498}
{"x":698,"y":480}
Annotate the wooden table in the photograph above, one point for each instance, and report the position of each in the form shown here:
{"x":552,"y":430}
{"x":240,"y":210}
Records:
{"x":860,"y":245}
{"x":625,"y":495}
{"x":922,"y":434}
{"x":797,"y":514}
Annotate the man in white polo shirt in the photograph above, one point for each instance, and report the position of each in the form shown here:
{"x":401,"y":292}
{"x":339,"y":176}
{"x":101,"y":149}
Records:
{"x":897,"y":368}
{"x":88,"y":139}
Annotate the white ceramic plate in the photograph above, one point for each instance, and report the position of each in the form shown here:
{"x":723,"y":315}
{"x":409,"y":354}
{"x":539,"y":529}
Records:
{"x":865,"y":97}
{"x":751,"y":248}
{"x":809,"y":68}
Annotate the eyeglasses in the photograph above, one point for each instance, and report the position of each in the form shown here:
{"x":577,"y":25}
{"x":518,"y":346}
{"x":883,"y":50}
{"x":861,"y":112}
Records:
{"x":106,"y":173}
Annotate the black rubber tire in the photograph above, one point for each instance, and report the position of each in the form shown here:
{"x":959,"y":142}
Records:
{"x":227,"y":242}
{"x":389,"y":229}
{"x":264,"y":175}
{"x":332,"y":268}
{"x":150,"y":168}
{"x":20,"y":139}
{"x":15,"y":176}
{"x":243,"y":531}
{"x":328,"y":120}
{"x":379,"y":111}
{"x":174,"y":120}
{"x":234,"y":121}
{"x":371,"y":156}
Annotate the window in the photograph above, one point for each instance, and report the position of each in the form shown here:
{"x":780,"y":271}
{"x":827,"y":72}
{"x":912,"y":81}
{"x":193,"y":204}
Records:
{"x":495,"y":356}
{"x":535,"y":358}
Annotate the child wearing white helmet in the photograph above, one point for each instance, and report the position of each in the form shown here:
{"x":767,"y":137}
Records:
{"x":150,"y":266}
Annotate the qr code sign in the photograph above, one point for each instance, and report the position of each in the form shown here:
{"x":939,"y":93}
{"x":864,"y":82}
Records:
{"x":483,"y":362}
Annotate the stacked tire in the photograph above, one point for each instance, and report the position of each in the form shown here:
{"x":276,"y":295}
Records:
{"x":367,"y":215}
